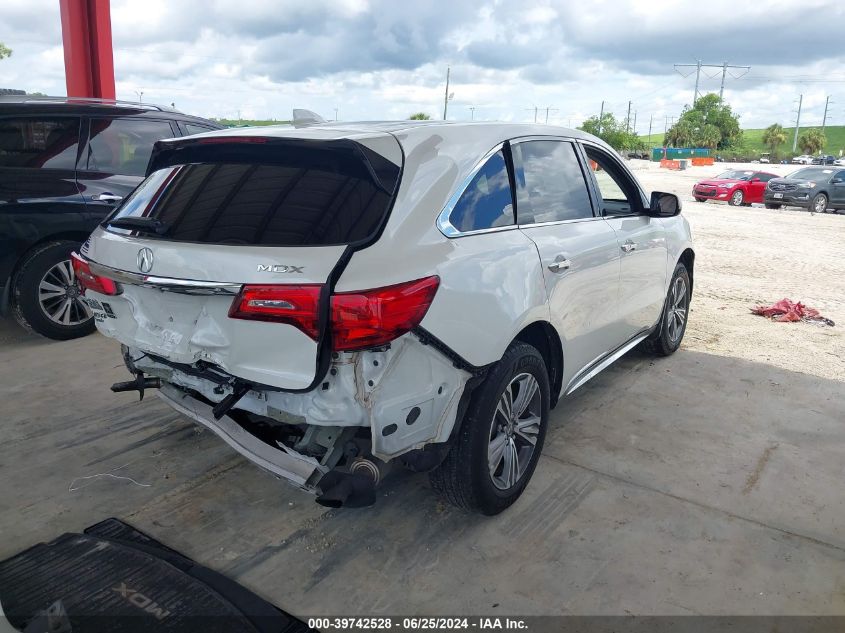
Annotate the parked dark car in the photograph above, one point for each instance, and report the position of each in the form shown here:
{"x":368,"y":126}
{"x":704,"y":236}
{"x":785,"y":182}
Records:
{"x":824,"y":160}
{"x":815,"y":188}
{"x":64,"y":165}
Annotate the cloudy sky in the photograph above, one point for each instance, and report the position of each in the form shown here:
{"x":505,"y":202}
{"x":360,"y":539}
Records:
{"x":375,"y":59}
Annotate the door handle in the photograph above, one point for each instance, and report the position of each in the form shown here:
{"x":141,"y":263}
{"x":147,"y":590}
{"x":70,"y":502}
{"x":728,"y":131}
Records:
{"x":629,"y":246}
{"x":107,"y":197}
{"x":560,"y":264}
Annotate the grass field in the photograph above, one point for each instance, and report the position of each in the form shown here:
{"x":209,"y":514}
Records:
{"x":752,"y":143}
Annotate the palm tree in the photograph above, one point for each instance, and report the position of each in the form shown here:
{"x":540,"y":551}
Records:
{"x":420,"y":116}
{"x":812,"y":141}
{"x":773,"y":137}
{"x":682,"y":134}
{"x":708,"y":136}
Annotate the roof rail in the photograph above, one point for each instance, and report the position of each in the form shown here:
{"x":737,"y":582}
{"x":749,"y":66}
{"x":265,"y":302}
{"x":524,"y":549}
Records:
{"x":91,"y":100}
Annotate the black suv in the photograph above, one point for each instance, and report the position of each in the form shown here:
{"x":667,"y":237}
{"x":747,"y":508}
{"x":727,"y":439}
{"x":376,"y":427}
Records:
{"x":64,"y":165}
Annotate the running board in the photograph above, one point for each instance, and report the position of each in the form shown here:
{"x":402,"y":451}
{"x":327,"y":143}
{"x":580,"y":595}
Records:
{"x":594,"y":368}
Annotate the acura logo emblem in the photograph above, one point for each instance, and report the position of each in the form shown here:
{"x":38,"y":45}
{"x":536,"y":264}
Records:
{"x":145,"y":260}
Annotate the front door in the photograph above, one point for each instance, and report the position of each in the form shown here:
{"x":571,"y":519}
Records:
{"x":641,"y":242}
{"x":578,"y":250}
{"x":837,"y":190}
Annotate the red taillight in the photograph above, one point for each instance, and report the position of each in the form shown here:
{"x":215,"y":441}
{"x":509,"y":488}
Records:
{"x":370,"y":318}
{"x":360,"y":319}
{"x":294,"y":305}
{"x":90,"y":281}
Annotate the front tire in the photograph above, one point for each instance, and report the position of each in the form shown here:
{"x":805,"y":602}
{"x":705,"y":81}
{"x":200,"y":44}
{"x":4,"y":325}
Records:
{"x":47,"y":297}
{"x":737,"y":198}
{"x":495,"y":452}
{"x":673,"y":323}
{"x":697,"y":199}
{"x":819,"y":203}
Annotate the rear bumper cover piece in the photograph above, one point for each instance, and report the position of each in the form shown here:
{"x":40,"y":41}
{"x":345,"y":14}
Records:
{"x":299,"y":469}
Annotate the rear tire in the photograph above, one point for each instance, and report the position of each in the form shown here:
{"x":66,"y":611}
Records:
{"x":475,"y":474}
{"x":737,"y":198}
{"x":673,"y":322}
{"x":697,"y":199}
{"x":46,"y":296}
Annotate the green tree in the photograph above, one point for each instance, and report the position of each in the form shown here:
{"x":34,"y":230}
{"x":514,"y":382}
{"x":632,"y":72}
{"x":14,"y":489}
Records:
{"x":612,"y":132}
{"x":419,"y":116}
{"x":5,"y":51}
{"x":696,"y":125}
{"x":773,"y":137}
{"x":812,"y":141}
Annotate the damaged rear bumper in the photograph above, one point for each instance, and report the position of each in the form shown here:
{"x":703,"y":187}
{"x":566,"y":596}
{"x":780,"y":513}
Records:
{"x":301,"y":470}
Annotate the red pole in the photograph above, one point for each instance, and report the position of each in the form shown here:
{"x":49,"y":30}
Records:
{"x":86,"y":34}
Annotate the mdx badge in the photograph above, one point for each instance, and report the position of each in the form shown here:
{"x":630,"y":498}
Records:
{"x":145,"y":260}
{"x":279,"y":268}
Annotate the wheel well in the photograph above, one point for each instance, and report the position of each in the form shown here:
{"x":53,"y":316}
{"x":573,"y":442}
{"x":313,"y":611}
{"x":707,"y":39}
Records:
{"x":545,"y":339}
{"x":688,"y":260}
{"x":71,"y":236}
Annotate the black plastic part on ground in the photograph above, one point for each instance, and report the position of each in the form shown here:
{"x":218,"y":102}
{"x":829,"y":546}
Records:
{"x":115,"y":578}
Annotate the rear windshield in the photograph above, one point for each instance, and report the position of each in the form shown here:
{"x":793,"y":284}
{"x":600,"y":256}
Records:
{"x":279,"y":194}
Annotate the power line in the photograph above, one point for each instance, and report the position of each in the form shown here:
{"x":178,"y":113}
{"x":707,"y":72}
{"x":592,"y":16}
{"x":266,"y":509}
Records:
{"x":698,"y":66}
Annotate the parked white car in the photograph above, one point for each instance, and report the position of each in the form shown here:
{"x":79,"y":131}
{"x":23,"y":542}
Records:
{"x":334,"y":299}
{"x":840,"y":161}
{"x":804,"y":159}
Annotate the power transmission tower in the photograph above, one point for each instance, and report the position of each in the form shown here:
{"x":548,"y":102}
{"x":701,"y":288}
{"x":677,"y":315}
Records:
{"x":548,"y":109}
{"x":797,"y":123}
{"x":824,"y":118}
{"x":698,"y":66}
{"x":536,"y":109}
{"x":446,"y":95}
{"x":601,"y":116}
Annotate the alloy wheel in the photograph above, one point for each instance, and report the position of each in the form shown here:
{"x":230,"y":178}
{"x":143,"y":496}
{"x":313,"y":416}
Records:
{"x":514,"y":431}
{"x":59,"y":296}
{"x":677,"y":315}
{"x":736,"y":198}
{"x":820,"y":204}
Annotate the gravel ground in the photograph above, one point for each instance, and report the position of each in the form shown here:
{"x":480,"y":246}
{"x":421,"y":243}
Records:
{"x":752,"y":255}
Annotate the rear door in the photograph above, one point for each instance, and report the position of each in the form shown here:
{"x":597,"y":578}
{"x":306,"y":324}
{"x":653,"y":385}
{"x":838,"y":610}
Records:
{"x":578,"y":250}
{"x":273,"y":214}
{"x":837,"y":189}
{"x":38,"y":191}
{"x":641,"y":241}
{"x":114,"y":158}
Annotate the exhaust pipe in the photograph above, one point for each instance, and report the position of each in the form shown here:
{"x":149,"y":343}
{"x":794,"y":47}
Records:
{"x":354,"y":489}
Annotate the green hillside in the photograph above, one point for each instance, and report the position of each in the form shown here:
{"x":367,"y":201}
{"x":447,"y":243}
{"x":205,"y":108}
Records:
{"x":752,"y":144}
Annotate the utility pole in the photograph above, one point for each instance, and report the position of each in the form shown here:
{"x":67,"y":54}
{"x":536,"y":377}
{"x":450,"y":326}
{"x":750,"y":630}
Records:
{"x":536,"y":109}
{"x":698,"y":66}
{"x":628,"y":119}
{"x":601,"y":116}
{"x":548,"y":109}
{"x":635,"y":122}
{"x":824,"y":118}
{"x":797,"y":123}
{"x":650,"y":119}
{"x":472,"y":113}
{"x":446,"y":94}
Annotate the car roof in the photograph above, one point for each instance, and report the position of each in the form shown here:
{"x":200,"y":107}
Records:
{"x":26,"y":104}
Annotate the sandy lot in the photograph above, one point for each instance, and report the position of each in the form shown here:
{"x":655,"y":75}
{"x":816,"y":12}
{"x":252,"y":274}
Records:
{"x":748,"y":256}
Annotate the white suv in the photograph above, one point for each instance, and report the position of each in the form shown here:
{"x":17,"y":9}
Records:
{"x":338,"y":298}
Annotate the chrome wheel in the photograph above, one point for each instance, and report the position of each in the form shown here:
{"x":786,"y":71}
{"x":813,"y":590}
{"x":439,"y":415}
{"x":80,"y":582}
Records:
{"x":60,"y":298}
{"x":736,"y":198}
{"x":820,"y":203}
{"x":677,"y":315}
{"x":514,"y":431}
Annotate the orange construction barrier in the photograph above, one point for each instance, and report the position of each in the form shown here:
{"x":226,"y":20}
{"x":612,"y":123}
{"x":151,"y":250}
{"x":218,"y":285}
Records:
{"x":670,"y":164}
{"x":704,"y":161}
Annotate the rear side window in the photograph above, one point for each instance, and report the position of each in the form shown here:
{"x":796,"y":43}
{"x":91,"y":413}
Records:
{"x":274,"y":195}
{"x":551,"y":185}
{"x":123,"y":146}
{"x":486,"y":202}
{"x":39,"y":143}
{"x":192,"y":128}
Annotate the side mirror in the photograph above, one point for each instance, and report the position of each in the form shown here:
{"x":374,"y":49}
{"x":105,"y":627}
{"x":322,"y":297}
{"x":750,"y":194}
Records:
{"x":664,"y":205}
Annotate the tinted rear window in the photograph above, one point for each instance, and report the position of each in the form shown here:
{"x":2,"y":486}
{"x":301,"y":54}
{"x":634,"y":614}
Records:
{"x":284,"y":196}
{"x":42,"y":142}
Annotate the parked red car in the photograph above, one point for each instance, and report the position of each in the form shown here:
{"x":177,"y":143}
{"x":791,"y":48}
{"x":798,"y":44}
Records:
{"x":739,"y":187}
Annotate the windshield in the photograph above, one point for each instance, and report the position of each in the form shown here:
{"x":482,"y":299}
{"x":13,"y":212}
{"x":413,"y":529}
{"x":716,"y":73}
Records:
{"x":735,"y":174}
{"x":810,"y":173}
